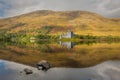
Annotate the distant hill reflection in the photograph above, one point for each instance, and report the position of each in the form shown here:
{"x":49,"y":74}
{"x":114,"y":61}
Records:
{"x":60,"y":54}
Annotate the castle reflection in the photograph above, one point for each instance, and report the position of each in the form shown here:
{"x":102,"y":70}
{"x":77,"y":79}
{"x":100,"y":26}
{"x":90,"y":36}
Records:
{"x":69,"y":45}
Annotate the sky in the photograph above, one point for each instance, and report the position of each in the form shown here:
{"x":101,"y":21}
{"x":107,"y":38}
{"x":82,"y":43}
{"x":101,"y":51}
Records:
{"x":107,"y":8}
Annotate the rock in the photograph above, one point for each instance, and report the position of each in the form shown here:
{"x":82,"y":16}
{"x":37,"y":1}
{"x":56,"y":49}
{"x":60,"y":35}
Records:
{"x":28,"y":71}
{"x":43,"y":65}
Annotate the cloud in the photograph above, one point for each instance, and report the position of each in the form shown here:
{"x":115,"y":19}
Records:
{"x":108,"y":8}
{"x":3,"y":6}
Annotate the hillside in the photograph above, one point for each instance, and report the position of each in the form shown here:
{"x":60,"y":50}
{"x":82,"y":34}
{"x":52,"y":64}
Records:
{"x":56,"y":22}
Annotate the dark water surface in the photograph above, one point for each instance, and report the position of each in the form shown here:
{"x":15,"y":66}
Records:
{"x":109,"y":70}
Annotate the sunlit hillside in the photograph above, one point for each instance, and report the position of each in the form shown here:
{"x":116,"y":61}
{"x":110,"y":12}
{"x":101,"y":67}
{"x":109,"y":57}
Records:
{"x":56,"y":22}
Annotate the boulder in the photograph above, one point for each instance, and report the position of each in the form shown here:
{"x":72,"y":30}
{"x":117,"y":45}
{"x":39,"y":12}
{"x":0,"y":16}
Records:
{"x":43,"y":65}
{"x":28,"y":71}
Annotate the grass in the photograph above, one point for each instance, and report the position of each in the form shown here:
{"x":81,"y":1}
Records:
{"x":25,"y":38}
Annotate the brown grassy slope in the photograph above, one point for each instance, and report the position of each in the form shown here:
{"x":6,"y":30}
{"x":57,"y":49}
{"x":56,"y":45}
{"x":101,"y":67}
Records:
{"x":56,"y":22}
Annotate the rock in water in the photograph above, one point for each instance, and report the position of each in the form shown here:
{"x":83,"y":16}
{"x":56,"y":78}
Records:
{"x":43,"y":65}
{"x":28,"y":71}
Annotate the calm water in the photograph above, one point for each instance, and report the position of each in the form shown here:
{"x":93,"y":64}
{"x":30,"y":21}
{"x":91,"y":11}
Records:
{"x":70,"y":60}
{"x":60,"y":54}
{"x":109,"y":70}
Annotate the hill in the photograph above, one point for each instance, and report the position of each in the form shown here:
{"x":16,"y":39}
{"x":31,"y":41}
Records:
{"x":57,"y":22}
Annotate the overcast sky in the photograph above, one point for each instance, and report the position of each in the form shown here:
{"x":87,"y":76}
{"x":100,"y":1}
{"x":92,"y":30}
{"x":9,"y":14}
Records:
{"x":108,"y":8}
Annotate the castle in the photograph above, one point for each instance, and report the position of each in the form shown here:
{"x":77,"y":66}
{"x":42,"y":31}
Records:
{"x":69,"y":34}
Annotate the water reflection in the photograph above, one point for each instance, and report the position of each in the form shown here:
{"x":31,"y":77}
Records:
{"x":69,"y":45}
{"x":109,"y":70}
{"x":84,"y":54}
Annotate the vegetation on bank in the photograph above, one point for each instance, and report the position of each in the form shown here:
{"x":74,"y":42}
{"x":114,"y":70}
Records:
{"x":41,"y":38}
{"x":92,"y":38}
